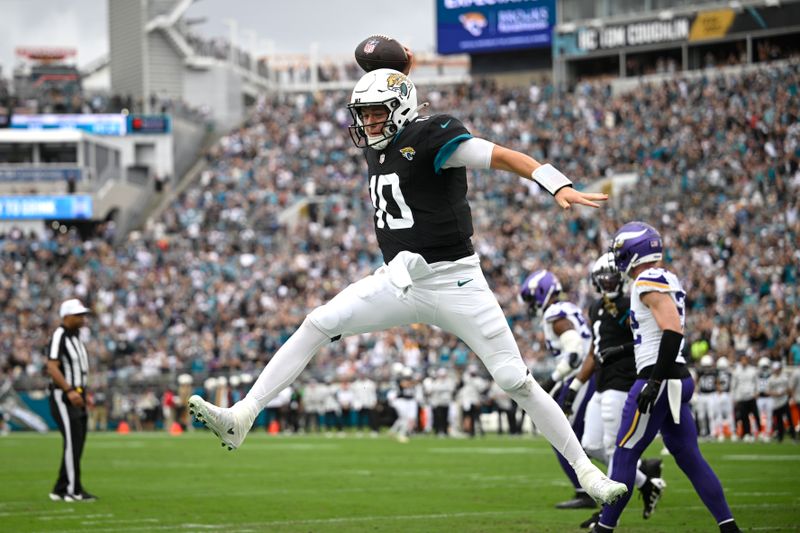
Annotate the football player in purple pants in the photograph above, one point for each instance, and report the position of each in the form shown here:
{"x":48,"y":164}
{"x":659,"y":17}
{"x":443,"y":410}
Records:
{"x":659,"y":398}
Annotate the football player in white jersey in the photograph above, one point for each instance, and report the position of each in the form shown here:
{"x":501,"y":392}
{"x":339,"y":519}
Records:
{"x":659,"y":398}
{"x":417,"y":182}
{"x":568,"y":340}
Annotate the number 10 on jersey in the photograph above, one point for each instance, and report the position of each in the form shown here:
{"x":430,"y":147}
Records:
{"x":377,"y":184}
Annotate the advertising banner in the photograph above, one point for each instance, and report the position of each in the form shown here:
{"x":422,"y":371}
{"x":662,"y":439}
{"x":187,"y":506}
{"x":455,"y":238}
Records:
{"x":39,"y":207}
{"x":469,"y":26}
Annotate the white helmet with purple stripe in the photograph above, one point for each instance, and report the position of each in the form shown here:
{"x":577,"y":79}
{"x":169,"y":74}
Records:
{"x":539,"y":290}
{"x":634,"y":244}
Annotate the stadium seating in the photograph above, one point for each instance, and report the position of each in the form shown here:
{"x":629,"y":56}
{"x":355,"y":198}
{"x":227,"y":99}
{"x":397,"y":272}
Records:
{"x":219,"y":282}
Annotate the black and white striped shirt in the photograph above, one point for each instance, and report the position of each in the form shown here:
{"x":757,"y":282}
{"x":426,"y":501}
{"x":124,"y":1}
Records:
{"x":66,"y":347}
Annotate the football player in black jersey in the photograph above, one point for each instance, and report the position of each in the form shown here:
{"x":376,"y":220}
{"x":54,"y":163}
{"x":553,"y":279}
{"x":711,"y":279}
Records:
{"x":417,"y":182}
{"x":611,"y":359}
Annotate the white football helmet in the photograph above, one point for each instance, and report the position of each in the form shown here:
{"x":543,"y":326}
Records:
{"x":706,"y":361}
{"x":391,"y":89}
{"x":722,"y":363}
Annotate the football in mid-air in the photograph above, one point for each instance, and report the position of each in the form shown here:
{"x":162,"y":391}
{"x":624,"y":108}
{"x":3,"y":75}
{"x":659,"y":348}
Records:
{"x":380,"y":51}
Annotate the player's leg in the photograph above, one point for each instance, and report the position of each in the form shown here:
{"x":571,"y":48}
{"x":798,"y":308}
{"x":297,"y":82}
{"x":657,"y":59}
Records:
{"x":370,"y":304}
{"x":577,"y":419}
{"x":592,"y":439}
{"x":702,"y":414}
{"x":681,"y":440}
{"x":581,"y":499}
{"x":475,"y":316}
{"x":636,"y":432}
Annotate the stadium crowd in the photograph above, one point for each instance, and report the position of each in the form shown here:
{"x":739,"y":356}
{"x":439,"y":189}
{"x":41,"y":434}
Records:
{"x":280,"y":222}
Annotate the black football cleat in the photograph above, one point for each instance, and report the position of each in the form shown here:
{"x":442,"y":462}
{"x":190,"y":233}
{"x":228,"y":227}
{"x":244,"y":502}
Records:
{"x":592,"y":521}
{"x":651,"y":493}
{"x":580,"y":501}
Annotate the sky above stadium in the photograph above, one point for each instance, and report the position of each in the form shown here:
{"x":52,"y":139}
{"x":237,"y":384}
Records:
{"x":292,"y":25}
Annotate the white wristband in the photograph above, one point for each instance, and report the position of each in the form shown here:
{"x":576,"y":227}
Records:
{"x":576,"y":384}
{"x":550,"y":179}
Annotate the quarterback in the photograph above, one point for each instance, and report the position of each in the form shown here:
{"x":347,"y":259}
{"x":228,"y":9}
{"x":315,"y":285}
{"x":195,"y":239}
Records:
{"x":431,"y":273}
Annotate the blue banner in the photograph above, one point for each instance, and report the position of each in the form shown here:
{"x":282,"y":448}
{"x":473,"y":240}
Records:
{"x":40,"y":174}
{"x":469,"y":26}
{"x":100,"y":124}
{"x":67,"y":207}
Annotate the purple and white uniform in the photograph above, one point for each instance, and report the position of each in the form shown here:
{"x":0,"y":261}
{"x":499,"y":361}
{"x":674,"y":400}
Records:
{"x":671,"y":413}
{"x":571,"y":312}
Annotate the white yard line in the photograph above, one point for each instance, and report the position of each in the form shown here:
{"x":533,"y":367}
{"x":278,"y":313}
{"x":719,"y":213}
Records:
{"x":260,"y":526}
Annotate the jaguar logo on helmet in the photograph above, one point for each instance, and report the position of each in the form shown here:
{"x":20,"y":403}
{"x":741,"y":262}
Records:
{"x":398,"y":83}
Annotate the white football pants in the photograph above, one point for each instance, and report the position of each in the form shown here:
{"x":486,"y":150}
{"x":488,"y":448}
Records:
{"x":705,"y":412}
{"x":723,"y":414}
{"x":452,"y":295}
{"x":603,"y":418}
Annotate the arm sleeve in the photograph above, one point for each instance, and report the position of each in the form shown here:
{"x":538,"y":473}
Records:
{"x":472,"y":153}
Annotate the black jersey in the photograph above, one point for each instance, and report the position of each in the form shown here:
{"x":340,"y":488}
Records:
{"x":419,"y":206}
{"x":406,"y":389}
{"x":610,"y":328}
{"x":723,"y":381}
{"x":706,"y":380}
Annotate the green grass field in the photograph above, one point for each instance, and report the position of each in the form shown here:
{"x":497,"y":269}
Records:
{"x":157,"y":482}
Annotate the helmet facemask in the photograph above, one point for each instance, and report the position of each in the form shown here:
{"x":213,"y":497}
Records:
{"x":358,"y":131}
{"x":606,"y":278}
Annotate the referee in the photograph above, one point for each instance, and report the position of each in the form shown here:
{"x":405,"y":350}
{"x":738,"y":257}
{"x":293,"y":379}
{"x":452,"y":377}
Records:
{"x":68,"y":366}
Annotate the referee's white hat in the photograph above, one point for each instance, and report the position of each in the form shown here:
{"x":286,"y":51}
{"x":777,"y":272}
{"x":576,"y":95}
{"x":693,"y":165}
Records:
{"x":72,"y":307}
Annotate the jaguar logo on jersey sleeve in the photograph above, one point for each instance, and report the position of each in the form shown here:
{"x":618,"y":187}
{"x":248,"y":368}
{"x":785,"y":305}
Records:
{"x":408,"y":152}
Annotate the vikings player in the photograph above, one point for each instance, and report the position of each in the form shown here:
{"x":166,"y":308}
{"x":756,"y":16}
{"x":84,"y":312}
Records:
{"x":659,"y":399}
{"x":568,"y":339}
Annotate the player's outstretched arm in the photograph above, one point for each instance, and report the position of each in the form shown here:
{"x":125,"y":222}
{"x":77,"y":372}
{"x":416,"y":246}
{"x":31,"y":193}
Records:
{"x":546,"y":176}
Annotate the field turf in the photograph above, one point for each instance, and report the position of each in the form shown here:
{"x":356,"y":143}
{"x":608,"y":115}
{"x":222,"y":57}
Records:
{"x":158,"y":482}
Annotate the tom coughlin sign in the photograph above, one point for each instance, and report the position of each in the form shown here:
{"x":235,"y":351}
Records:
{"x":634,"y":34}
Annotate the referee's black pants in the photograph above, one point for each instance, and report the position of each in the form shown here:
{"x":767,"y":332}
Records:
{"x":72,"y":423}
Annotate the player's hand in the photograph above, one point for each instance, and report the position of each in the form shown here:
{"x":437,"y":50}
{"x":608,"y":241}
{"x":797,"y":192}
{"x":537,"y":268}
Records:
{"x":568,"y":196}
{"x":568,"y":401}
{"x":647,"y":396}
{"x":75,"y":398}
{"x":410,"y":63}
